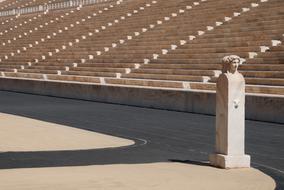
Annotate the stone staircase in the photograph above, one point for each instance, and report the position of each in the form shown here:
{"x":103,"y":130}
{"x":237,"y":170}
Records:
{"x":175,"y":44}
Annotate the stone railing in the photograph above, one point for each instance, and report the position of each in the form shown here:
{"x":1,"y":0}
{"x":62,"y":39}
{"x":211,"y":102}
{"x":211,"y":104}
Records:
{"x":53,"y":6}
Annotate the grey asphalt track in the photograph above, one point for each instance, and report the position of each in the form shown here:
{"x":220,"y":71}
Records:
{"x":160,"y":135}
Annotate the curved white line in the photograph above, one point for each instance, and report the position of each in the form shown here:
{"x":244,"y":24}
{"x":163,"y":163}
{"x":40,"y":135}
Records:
{"x":144,"y":142}
{"x":268,"y":167}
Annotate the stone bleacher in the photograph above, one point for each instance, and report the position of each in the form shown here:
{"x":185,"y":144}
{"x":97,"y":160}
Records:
{"x":174,"y":44}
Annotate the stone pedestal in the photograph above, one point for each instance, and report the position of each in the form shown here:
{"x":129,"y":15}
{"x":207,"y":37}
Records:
{"x":230,"y":117}
{"x":225,"y":161}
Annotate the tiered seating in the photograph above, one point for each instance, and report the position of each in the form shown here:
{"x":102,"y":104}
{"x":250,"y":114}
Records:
{"x":126,"y":28}
{"x":35,"y":32}
{"x":121,"y":13}
{"x":201,"y":57}
{"x":171,"y":44}
{"x":16,"y":4}
{"x":7,"y":4}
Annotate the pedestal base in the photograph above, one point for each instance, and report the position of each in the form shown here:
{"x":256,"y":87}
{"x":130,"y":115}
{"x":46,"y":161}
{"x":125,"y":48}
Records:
{"x":225,"y":161}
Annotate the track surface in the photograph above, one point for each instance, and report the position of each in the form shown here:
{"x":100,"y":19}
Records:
{"x":160,"y":135}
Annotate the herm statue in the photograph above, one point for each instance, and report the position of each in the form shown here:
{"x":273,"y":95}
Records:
{"x":230,"y":117}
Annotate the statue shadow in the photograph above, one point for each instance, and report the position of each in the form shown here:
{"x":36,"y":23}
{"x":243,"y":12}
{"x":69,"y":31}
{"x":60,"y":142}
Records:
{"x":192,"y":162}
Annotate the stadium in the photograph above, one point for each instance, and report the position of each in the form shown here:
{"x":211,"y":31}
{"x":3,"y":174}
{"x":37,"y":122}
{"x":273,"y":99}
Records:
{"x":142,"y":94}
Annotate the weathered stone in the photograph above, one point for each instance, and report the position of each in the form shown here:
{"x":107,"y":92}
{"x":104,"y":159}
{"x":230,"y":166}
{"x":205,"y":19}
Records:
{"x":230,"y":117}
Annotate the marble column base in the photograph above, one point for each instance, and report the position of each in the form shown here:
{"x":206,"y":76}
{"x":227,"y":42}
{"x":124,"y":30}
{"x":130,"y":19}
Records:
{"x":226,"y":161}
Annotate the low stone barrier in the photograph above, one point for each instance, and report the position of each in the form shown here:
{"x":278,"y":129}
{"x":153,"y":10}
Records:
{"x":258,"y":107}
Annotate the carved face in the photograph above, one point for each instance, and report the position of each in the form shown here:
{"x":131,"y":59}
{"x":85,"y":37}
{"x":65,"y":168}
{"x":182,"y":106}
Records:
{"x":233,"y":67}
{"x":231,"y":64}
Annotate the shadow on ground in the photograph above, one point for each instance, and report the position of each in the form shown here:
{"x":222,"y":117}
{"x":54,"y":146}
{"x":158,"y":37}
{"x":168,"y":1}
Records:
{"x":160,"y":135}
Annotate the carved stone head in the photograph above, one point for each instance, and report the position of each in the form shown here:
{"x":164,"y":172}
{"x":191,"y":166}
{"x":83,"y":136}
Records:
{"x":231,"y":64}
